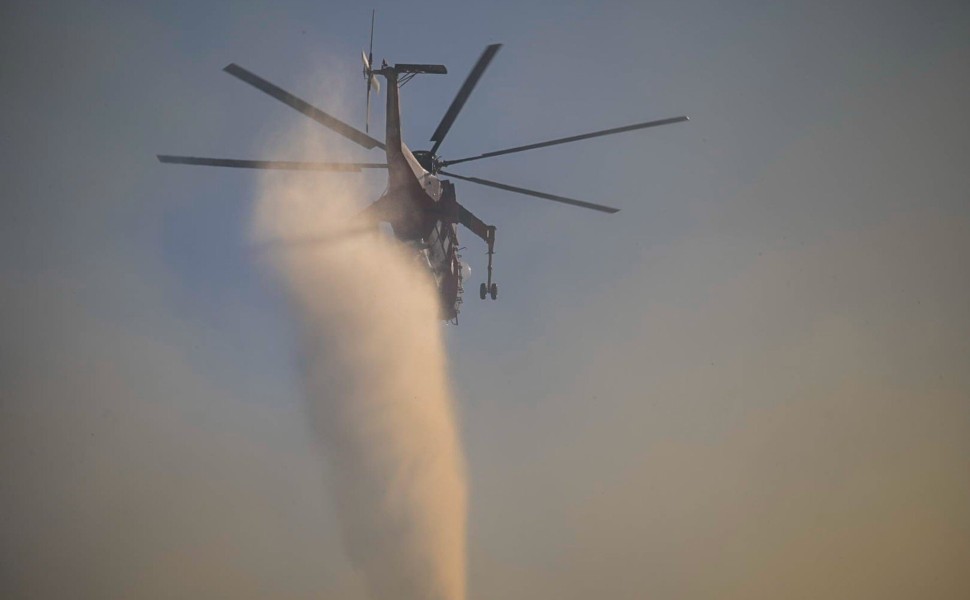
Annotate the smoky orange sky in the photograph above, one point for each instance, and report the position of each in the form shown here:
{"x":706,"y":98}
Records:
{"x":751,"y":382}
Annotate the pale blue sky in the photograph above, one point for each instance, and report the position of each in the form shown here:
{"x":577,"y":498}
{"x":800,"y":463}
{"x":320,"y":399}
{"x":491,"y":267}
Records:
{"x":751,"y":382}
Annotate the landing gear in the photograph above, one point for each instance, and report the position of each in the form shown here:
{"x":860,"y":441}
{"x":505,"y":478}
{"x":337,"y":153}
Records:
{"x":490,"y":288}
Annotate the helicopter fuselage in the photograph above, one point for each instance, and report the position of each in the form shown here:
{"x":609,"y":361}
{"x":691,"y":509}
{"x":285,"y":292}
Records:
{"x":420,"y":208}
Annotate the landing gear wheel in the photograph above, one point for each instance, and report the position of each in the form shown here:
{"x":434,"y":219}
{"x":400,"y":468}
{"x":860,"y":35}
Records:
{"x":493,"y":291}
{"x":482,"y":291}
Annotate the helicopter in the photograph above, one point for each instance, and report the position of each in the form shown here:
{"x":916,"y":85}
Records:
{"x":420,"y":205}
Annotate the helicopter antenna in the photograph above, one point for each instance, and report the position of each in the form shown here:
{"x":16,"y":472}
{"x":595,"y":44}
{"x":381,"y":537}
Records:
{"x":372,"y":81}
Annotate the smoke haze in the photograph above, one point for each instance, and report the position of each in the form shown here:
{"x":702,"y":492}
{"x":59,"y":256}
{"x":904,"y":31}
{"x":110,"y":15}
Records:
{"x":374,"y":366}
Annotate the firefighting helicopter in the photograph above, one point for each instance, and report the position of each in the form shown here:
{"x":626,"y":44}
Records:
{"x":420,"y":206}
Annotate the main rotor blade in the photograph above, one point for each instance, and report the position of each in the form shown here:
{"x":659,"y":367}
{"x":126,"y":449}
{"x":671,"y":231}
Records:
{"x":297,"y":243}
{"x":354,"y":135}
{"x":466,"y":89}
{"x":518,"y":190}
{"x":566,"y":140}
{"x":267,"y":164}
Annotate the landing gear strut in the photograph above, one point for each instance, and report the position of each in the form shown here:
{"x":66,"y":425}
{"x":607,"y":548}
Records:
{"x":490,"y":288}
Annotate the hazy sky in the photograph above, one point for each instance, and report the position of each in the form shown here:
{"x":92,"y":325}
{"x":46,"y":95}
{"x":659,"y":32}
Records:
{"x":752,"y":382}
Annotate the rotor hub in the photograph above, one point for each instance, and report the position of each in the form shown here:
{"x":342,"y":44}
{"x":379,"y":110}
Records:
{"x":428,"y":160}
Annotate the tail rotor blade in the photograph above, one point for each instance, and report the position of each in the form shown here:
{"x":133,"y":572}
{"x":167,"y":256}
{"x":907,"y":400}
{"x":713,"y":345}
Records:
{"x":367,"y":109}
{"x":370,"y":47}
{"x":543,"y":195}
{"x":369,"y":77}
{"x":372,"y":81}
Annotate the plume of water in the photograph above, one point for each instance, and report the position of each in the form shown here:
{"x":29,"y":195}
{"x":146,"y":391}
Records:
{"x":375,"y":373}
